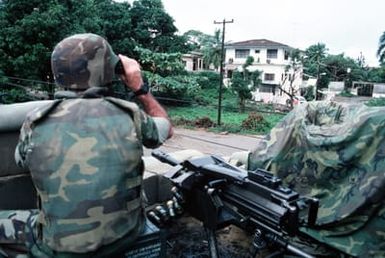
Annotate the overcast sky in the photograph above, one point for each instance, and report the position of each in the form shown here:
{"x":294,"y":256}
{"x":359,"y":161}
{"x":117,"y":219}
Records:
{"x":345,"y":26}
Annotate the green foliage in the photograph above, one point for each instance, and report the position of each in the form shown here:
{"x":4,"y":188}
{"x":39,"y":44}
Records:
{"x":13,"y":95}
{"x":255,"y":122}
{"x":115,"y":22}
{"x":208,"y":79}
{"x":174,"y":87}
{"x":381,"y":49}
{"x":309,"y":93}
{"x":337,"y":67}
{"x":231,"y":120}
{"x":244,"y":82}
{"x":377,"y":74}
{"x":209,"y":45}
{"x":163,"y":64}
{"x":29,"y":30}
{"x":212,"y":51}
{"x":376,"y":102}
{"x":153,"y":28}
{"x":346,"y":93}
{"x":200,"y":122}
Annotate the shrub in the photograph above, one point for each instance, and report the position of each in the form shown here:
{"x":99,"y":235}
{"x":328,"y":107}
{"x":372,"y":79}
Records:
{"x":346,"y":93}
{"x":204,"y":122}
{"x":13,"y":96}
{"x":376,"y":102}
{"x":208,"y":79}
{"x":201,"y":122}
{"x":255,"y":122}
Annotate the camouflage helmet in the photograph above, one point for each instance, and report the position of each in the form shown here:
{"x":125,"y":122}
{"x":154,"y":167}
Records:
{"x":83,"y":61}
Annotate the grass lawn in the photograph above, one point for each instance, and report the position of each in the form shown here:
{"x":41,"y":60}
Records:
{"x":231,"y":121}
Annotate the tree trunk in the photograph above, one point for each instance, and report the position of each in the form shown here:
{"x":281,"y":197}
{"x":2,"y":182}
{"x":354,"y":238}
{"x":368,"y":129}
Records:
{"x":242,"y":105}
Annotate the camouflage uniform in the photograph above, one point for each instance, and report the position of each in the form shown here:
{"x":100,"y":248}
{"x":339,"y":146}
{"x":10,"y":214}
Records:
{"x":85,"y":160}
{"x":335,"y":153}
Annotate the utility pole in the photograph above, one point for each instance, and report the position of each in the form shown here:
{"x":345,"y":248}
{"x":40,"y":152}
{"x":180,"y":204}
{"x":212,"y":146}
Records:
{"x":318,"y":77}
{"x":221,"y":67}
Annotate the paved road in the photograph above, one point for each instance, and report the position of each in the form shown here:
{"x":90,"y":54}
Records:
{"x":207,"y":142}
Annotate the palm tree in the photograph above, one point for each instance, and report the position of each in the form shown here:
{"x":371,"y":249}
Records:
{"x":317,"y":52}
{"x":381,"y":49}
{"x":212,"y":49}
{"x":315,"y":56}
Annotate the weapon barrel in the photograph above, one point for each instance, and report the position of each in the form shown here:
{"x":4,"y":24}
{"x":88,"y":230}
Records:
{"x":164,"y":157}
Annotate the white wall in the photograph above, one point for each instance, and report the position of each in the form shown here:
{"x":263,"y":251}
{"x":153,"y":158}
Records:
{"x":188,"y":63}
{"x":260,"y":57}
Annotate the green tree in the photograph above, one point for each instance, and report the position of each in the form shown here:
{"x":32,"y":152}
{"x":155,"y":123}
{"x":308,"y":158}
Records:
{"x":314,"y":55}
{"x":116,"y":25}
{"x":163,"y":64}
{"x":381,"y":49}
{"x":342,"y":68}
{"x":154,"y":29}
{"x":313,"y":63}
{"x":377,"y":74}
{"x":31,"y":29}
{"x":212,"y":49}
{"x":209,"y":45}
{"x":244,"y":82}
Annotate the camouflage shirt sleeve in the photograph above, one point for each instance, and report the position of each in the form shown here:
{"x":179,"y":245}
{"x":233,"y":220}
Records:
{"x":23,"y":145}
{"x":154,"y":130}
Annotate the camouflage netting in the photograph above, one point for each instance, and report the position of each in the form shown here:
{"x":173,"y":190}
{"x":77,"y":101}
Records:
{"x":336,"y":153}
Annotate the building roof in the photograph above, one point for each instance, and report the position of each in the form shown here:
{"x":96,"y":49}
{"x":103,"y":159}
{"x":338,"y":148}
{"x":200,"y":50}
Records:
{"x":193,"y":54}
{"x":256,"y":43}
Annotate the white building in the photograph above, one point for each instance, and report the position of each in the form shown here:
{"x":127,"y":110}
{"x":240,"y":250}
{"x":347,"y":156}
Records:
{"x":334,"y":88}
{"x":193,"y":61}
{"x":272,"y":58}
{"x":369,"y":89}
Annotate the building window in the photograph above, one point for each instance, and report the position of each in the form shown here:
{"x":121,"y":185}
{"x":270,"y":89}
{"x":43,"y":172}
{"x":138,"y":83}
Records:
{"x":242,"y":53}
{"x":286,"y":55}
{"x":272,"y":53}
{"x":257,"y":51}
{"x":269,"y":77}
{"x":229,"y":74}
{"x":267,"y":88}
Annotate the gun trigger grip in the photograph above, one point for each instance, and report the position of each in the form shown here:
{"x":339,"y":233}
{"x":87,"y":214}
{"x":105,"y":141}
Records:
{"x":212,"y":193}
{"x":217,"y":183}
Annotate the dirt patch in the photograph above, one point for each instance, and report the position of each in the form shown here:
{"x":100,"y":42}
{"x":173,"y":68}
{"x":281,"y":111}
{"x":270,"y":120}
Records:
{"x":187,"y":238}
{"x":200,"y":122}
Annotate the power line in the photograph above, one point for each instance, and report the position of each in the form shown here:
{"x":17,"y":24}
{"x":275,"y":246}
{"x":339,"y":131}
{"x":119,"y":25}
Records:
{"x":27,"y":80}
{"x":190,"y":102}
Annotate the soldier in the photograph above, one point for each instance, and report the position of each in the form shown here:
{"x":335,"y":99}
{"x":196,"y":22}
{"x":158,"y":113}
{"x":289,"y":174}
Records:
{"x":84,"y":153}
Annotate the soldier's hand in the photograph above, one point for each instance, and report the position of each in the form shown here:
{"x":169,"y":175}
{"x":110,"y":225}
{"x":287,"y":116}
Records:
{"x":132,"y":76}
